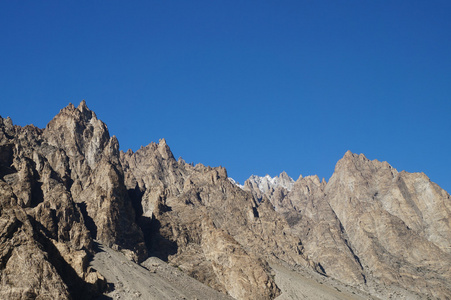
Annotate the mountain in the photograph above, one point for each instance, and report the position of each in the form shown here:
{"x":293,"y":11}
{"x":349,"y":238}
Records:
{"x":73,"y":207}
{"x":387,"y":232}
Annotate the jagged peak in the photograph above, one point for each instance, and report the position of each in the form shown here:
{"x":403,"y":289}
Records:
{"x":81,"y":113}
{"x":354,"y":156}
{"x":351,"y":155}
{"x":233,"y":181}
{"x":82,"y":106}
{"x":359,"y":161}
{"x":8,"y":121}
{"x":313,"y":178}
{"x":267,"y":182}
{"x":284,"y":175}
{"x":79,"y":129}
{"x":161,"y":147}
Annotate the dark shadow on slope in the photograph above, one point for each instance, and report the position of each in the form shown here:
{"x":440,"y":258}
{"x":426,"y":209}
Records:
{"x":89,"y":222}
{"x":136,"y":198}
{"x":97,"y":247}
{"x":157,"y":245}
{"x":37,"y":195}
{"x":77,"y":287}
{"x":6,"y":160}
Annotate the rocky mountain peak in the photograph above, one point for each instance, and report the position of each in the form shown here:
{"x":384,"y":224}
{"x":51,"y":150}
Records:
{"x":268,"y":183}
{"x":65,"y":186}
{"x":79,"y":132}
{"x":284,"y":176}
{"x":350,"y":156}
{"x":164,"y":150}
{"x":354,"y":163}
{"x":6,"y":126}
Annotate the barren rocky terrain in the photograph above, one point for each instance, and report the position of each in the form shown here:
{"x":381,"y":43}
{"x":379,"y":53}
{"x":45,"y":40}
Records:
{"x":80,"y":219}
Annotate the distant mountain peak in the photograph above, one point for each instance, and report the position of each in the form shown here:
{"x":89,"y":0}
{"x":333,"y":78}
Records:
{"x":265,"y":183}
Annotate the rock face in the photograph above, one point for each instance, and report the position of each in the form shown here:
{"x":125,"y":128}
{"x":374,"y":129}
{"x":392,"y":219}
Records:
{"x":95,"y":177}
{"x":371,"y":227}
{"x":268,"y":186}
{"x":397,"y":223}
{"x":195,"y":218}
{"x":59,"y":188}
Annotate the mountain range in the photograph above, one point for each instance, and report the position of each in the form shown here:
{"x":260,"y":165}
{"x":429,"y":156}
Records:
{"x":74,"y":210}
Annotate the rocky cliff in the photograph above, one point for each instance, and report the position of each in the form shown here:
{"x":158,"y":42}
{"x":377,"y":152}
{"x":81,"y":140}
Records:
{"x":67,"y":185}
{"x":195,"y":218}
{"x":387,"y":232}
{"x":60,"y":188}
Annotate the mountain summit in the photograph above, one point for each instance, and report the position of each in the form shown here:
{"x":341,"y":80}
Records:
{"x":67,"y":192}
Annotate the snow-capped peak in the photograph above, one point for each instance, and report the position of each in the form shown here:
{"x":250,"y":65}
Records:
{"x":267,"y":182}
{"x":235,"y":182}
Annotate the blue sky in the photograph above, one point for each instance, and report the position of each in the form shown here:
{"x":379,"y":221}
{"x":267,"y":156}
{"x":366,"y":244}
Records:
{"x":255,"y":86}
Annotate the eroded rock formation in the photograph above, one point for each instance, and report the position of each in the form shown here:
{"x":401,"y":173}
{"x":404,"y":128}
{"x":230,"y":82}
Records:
{"x":62,"y":187}
{"x":372,"y":226}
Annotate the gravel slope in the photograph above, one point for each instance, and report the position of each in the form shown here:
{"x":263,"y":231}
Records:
{"x":156,"y":281}
{"x":306,"y":285}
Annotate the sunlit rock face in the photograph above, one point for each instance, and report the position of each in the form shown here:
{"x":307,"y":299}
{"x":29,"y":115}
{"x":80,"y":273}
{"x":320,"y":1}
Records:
{"x":61,"y":187}
{"x":371,"y":226}
{"x":195,"y":218}
{"x":398,"y":224}
{"x":95,"y":177}
{"x":64,"y":186}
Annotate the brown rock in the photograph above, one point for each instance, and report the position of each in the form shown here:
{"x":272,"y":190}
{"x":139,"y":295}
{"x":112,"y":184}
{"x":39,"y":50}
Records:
{"x":195,"y":218}
{"x":397,"y":223}
{"x":370,"y":226}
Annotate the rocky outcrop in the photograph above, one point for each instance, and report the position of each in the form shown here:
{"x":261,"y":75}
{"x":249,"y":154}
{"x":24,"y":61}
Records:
{"x":62,"y":187}
{"x":398,"y":224}
{"x":44,"y":243}
{"x":271,"y":187}
{"x":89,"y":160}
{"x":195,"y":218}
{"x":371,"y":226}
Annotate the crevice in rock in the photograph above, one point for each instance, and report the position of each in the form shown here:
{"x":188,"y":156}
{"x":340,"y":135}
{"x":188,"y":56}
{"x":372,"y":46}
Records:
{"x":37,"y":195}
{"x":255,"y":212}
{"x":135,"y":196}
{"x":157,"y":244}
{"x":6,"y":160}
{"x":89,"y":222}
{"x":321,"y":269}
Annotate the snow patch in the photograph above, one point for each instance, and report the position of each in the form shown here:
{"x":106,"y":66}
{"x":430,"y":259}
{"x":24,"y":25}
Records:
{"x":267,"y":182}
{"x":236,"y":183}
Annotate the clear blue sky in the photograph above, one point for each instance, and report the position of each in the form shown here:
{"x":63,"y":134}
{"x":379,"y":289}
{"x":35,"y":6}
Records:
{"x":256,"y":86}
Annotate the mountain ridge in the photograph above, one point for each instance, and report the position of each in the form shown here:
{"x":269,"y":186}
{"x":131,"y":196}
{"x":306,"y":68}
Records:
{"x":385,"y":232}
